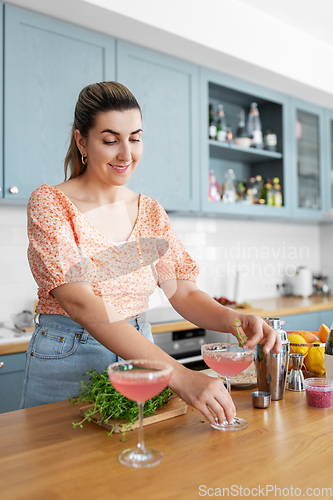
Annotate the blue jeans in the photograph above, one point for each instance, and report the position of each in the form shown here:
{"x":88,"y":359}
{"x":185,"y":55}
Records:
{"x":59,"y":353}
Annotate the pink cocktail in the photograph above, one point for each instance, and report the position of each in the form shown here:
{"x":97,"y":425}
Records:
{"x":228,"y":367}
{"x":136,"y":389}
{"x":140,"y":380}
{"x":227,"y":360}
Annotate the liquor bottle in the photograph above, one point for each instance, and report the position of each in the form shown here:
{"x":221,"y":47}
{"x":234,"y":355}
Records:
{"x":241,"y":129}
{"x":254,"y":127}
{"x":212,"y":125}
{"x":270,"y":140}
{"x":257,"y":188}
{"x":221,"y":124}
{"x":241,"y":192}
{"x":229,"y":189}
{"x":277,"y":195}
{"x":213,"y":188}
{"x":329,"y":354}
{"x":269,"y":194}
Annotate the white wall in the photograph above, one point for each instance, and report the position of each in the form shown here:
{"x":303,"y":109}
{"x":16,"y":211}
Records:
{"x":265,"y":253}
{"x":17,"y":287}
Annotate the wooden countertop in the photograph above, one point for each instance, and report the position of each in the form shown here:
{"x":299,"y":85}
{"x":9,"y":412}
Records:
{"x":266,"y":308}
{"x":273,"y":307}
{"x":288,"y":445}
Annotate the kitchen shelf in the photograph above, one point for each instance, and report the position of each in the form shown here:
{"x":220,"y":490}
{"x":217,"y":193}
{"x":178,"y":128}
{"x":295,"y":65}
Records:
{"x":219,"y":157}
{"x":239,"y":154}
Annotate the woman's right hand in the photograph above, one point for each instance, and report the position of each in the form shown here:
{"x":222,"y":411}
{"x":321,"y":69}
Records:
{"x":207,"y":394}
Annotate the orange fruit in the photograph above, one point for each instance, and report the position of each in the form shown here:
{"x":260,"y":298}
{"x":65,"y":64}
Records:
{"x":323,"y":332}
{"x":315,"y":360}
{"x":309,"y":337}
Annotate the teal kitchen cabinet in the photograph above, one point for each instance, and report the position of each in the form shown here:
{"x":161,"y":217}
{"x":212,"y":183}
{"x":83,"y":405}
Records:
{"x":309,"y":161}
{"x":47,"y":63}
{"x":328,"y":155}
{"x":1,"y":101}
{"x":11,"y":381}
{"x":326,"y":317}
{"x":167,"y":91}
{"x":307,"y":321}
{"x":218,"y":157}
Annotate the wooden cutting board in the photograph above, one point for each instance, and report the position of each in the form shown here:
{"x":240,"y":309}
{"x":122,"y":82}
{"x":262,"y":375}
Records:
{"x":173,"y":408}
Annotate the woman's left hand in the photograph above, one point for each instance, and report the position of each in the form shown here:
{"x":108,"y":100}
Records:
{"x":256,"y":330}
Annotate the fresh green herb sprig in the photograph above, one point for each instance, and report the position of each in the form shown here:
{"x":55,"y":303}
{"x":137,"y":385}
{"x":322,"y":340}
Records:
{"x":242,"y":338}
{"x":110,"y":404}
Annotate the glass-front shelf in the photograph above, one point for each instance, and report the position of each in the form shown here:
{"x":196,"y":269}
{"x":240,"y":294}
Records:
{"x":308,"y":160}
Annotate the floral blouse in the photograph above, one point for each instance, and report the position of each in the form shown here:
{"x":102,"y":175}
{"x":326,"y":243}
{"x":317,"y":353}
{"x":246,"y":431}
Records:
{"x":64,"y":247}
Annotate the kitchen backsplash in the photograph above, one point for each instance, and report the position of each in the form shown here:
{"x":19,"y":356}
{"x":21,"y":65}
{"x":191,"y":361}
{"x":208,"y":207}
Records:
{"x":261,"y":253}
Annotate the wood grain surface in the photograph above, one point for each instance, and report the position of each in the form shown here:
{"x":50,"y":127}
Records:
{"x":173,"y":408}
{"x":286,"y":446}
{"x":273,"y":307}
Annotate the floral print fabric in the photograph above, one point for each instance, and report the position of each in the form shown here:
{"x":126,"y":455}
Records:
{"x":65,"y":248}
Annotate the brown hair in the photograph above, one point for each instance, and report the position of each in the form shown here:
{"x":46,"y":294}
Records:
{"x":94,"y":99}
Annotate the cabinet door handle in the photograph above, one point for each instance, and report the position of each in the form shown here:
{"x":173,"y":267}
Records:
{"x":13,"y":190}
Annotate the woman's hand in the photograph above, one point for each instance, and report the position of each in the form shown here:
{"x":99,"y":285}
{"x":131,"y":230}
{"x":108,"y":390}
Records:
{"x":256,"y":330}
{"x":207,"y":394}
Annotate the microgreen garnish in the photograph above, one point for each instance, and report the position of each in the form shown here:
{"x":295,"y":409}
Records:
{"x":242,"y":338}
{"x":110,"y":404}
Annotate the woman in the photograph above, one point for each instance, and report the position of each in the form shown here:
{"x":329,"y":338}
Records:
{"x":97,"y":251}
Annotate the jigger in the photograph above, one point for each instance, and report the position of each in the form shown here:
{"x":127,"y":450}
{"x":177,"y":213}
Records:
{"x":296,"y":378}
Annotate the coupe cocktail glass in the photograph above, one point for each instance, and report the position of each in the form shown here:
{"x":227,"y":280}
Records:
{"x":227,"y":360}
{"x":140,"y":380}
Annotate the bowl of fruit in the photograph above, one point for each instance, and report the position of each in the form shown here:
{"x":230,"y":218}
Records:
{"x":312,"y":345}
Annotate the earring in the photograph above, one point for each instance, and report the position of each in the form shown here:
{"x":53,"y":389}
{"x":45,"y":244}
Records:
{"x":84,"y":159}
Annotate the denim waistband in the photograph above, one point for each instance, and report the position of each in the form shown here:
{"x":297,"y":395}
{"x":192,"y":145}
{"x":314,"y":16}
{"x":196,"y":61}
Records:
{"x":68,"y":325}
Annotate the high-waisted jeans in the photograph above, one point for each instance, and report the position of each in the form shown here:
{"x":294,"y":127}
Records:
{"x":60,"y":352}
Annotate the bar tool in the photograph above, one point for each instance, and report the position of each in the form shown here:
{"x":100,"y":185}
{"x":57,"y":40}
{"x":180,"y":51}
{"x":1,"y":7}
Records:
{"x":272,"y":368}
{"x":261,"y":399}
{"x":296,"y":378}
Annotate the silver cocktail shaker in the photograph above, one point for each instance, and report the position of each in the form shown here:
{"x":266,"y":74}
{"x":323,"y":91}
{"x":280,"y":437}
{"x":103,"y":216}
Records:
{"x":272,"y":368}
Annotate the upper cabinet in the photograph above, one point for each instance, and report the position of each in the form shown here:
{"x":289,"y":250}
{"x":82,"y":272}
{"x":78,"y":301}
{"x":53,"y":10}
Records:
{"x":329,"y":170}
{"x":309,"y":161}
{"x":1,"y":101}
{"x":253,"y":168}
{"x":167,"y":91}
{"x":47,"y":63}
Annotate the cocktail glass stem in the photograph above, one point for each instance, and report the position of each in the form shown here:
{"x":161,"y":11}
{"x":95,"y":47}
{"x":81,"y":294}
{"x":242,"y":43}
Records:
{"x":141,"y":443}
{"x":228,"y":380}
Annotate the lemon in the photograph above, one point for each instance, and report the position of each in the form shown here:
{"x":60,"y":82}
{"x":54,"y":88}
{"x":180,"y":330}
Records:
{"x":315,"y":360}
{"x":294,"y":338}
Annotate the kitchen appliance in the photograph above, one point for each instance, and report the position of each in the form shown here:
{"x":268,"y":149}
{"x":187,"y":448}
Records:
{"x":272,"y":368}
{"x":302,"y":282}
{"x":321,"y":285}
{"x":185,"y":345}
